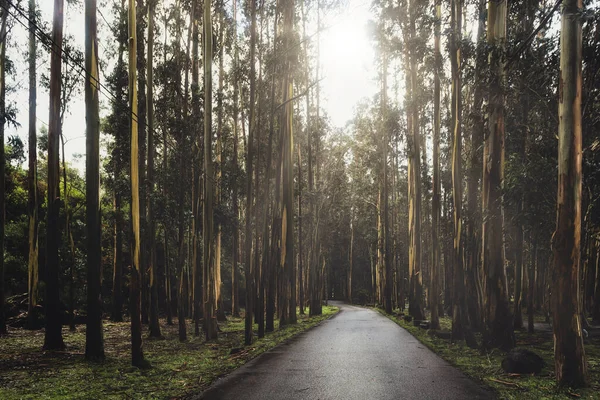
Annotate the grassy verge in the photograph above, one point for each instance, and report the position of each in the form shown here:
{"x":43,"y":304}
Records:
{"x":485,"y":367}
{"x":177,"y":368}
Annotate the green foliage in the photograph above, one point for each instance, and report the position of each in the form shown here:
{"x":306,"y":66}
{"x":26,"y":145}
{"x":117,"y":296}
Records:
{"x":177,"y":368}
{"x":485,"y":367}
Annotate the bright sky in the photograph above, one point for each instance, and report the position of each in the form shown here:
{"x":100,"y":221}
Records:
{"x":346,"y":69}
{"x":347,"y":57}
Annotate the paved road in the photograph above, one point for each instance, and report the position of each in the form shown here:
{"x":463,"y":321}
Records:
{"x":359,"y":354}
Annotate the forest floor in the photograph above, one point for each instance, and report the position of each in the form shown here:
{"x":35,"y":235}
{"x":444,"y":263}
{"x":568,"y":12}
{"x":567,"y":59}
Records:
{"x":486,"y":367}
{"x":177,"y":369}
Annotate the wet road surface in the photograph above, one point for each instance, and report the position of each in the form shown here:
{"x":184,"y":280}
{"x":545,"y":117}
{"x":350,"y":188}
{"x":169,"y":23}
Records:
{"x":358,"y":354}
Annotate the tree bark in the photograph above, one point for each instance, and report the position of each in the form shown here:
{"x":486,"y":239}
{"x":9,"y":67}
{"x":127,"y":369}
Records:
{"x":32,"y":177}
{"x":137,"y":354}
{"x":209,"y":275}
{"x":569,"y":355}
{"x":94,"y":335}
{"x":53,"y":339}
{"x":154,"y":327}
{"x":498,"y":321}
{"x":435,"y":203}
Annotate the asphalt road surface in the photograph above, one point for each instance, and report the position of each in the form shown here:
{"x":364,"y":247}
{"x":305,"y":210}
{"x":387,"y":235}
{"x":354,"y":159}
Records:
{"x":358,"y":354}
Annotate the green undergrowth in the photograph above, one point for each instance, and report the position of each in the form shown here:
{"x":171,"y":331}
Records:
{"x":177,"y":369}
{"x":485,"y":367}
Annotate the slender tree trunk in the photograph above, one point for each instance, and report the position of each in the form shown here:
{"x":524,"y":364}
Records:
{"x":387,"y":259}
{"x":268,"y":261}
{"x":435,"y":203}
{"x":460,"y":320}
{"x":94,"y":336}
{"x":416,"y":291}
{"x":531,"y":289}
{"x":498,"y":321}
{"x":68,"y":238}
{"x":219,"y":181}
{"x":235,"y":300}
{"x":569,"y":356}
{"x":142,"y":131}
{"x":249,"y":169}
{"x":137,"y":355}
{"x":53,"y":339}
{"x":3,"y":33}
{"x":473,"y":278}
{"x":300,"y":238}
{"x":154,"y":326}
{"x":117,"y":286}
{"x":32,"y":204}
{"x":209,"y":274}
{"x":182,"y":293}
{"x":196,"y":291}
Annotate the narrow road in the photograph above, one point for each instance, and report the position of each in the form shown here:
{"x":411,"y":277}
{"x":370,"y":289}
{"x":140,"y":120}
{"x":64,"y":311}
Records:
{"x":359,"y":354}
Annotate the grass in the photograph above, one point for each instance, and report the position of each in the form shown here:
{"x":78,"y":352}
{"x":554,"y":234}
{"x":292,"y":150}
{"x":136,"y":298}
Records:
{"x":178,"y":369}
{"x":485,"y":367}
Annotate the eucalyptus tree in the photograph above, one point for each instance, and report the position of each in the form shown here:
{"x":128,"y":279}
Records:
{"x":32,"y":204}
{"x":569,"y":355}
{"x":53,"y":338}
{"x":3,"y":34}
{"x":435,"y":203}
{"x":137,"y":355}
{"x":94,"y":343}
{"x":498,"y":326}
{"x":150,"y":225}
{"x":209,"y":276}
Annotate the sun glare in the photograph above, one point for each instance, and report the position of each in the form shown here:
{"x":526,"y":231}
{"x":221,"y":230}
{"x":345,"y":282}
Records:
{"x":347,"y":56}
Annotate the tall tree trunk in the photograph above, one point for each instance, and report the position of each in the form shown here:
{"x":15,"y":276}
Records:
{"x":268,"y":261}
{"x":460,"y":319}
{"x":300,"y":238}
{"x":94,"y":335}
{"x":498,"y":329}
{"x":313,"y":176}
{"x":527,"y":27}
{"x":569,"y":355}
{"x":154,"y":326}
{"x":473,"y":278}
{"x":32,"y":203}
{"x":249,"y":171}
{"x":435,"y":203}
{"x":53,"y":339}
{"x":287,"y":212}
{"x":142,"y":131}
{"x":3,"y":33}
{"x":219,"y":181}
{"x":209,"y":275}
{"x":69,"y":239}
{"x":137,"y":354}
{"x":387,"y":255}
{"x":416,"y":288}
{"x":183,"y":291}
{"x":196,"y":283}
{"x":235,"y":300}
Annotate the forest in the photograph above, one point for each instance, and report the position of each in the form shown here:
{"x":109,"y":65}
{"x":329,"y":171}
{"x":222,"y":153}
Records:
{"x":216,"y":209}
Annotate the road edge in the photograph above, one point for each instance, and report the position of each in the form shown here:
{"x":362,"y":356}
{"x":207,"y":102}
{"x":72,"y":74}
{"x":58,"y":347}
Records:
{"x":223,"y":380}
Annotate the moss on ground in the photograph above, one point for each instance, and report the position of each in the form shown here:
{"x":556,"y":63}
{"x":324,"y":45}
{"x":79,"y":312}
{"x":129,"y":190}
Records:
{"x":485,"y":367}
{"x":177,"y":369}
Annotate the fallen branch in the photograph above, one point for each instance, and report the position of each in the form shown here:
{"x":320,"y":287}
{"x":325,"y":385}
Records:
{"x":504,"y":382}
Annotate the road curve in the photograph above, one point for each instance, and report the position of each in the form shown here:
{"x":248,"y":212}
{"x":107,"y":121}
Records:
{"x":359,"y":354}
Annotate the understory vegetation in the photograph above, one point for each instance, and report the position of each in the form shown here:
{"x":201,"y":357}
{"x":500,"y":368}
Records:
{"x":485,"y":366}
{"x":177,"y":369}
